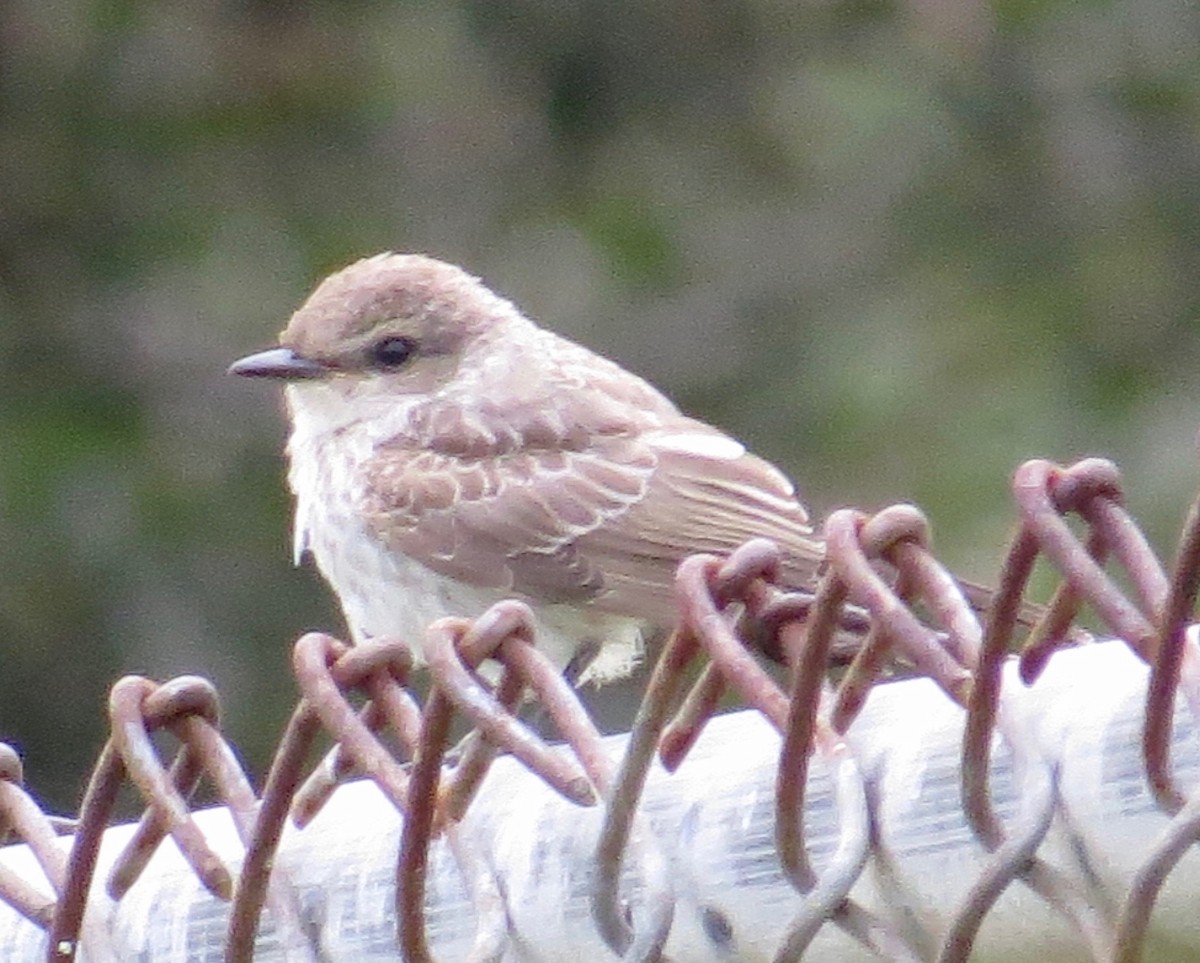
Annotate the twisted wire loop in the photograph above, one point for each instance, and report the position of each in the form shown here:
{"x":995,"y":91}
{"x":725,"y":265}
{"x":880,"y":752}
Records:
{"x":900,"y":536}
{"x":187,"y":707}
{"x":1155,"y":628}
{"x":380,"y":669}
{"x":326,"y":670}
{"x":711,"y":591}
{"x":455,"y":648}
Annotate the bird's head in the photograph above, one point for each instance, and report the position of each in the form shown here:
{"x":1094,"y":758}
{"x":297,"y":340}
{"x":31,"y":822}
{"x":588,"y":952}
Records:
{"x":392,"y":324}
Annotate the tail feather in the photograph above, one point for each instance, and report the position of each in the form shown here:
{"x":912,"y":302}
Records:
{"x":982,"y":599}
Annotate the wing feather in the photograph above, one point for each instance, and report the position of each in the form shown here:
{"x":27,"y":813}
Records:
{"x":604,"y":526}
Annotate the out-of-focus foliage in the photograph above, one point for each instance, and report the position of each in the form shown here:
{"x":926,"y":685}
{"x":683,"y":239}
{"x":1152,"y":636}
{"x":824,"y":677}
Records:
{"x":897,"y":247}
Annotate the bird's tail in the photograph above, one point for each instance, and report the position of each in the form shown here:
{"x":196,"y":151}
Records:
{"x":1030,"y":616}
{"x":982,"y":600}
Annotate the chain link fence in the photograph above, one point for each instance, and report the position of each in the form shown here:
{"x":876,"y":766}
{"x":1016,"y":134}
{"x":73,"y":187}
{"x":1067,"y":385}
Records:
{"x":987,"y":807}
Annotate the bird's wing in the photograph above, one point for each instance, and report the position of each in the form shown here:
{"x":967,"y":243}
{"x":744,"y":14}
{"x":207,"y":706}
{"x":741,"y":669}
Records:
{"x":604,"y":525}
{"x":707,"y":494}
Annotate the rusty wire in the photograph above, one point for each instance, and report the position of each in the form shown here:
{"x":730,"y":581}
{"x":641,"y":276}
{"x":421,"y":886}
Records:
{"x":25,"y":821}
{"x":732,"y":611}
{"x":454,"y":647}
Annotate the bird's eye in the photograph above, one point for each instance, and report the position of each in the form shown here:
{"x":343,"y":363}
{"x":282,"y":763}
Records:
{"x":392,"y":352}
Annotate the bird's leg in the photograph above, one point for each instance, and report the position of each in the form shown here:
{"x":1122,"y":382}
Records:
{"x":581,"y":660}
{"x":574,"y":671}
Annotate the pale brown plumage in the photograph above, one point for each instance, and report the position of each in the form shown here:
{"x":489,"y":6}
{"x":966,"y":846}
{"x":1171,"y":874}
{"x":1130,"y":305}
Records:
{"x":495,"y":458}
{"x":593,"y":514}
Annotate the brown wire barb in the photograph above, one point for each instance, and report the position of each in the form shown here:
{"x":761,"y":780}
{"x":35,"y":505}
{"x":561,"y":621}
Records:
{"x":836,"y":785}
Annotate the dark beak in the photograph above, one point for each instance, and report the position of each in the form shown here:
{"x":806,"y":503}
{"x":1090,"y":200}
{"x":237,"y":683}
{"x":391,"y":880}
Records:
{"x":281,"y":363}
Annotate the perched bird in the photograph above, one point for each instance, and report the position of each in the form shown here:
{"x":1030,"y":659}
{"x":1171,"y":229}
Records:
{"x":446,"y":453}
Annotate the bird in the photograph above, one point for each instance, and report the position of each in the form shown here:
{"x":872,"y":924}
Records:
{"x":446,"y":452}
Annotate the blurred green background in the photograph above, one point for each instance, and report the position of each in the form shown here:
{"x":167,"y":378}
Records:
{"x":896,"y":247}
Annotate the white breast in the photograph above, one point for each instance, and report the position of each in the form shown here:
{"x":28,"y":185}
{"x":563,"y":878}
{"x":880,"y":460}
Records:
{"x":386,"y":594}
